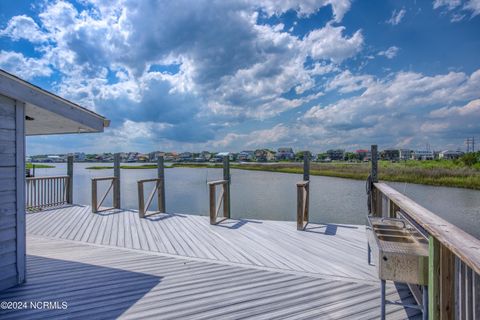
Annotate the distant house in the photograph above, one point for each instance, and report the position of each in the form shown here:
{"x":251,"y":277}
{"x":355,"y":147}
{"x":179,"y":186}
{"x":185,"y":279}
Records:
{"x":405,"y":154}
{"x":246,"y":155}
{"x":185,"y":156}
{"x":153,"y":156}
{"x":363,"y":154}
{"x":336,"y":154}
{"x":171,"y":156}
{"x":390,"y":154}
{"x":206,"y":155}
{"x":285,"y":154}
{"x":450,"y":154}
{"x":261,"y":155}
{"x":271,"y":155}
{"x":422,"y":155}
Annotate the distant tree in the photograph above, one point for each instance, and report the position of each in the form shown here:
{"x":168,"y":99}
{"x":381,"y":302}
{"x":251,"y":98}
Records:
{"x":350,"y":156}
{"x":299,"y":155}
{"x":469,"y":159}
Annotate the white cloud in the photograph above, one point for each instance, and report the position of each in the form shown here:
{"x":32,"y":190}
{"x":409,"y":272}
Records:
{"x":457,"y":7}
{"x":24,"y":67}
{"x":390,"y":53}
{"x":329,"y":43}
{"x":23,"y":27}
{"x":397,"y":16}
{"x":346,"y":82}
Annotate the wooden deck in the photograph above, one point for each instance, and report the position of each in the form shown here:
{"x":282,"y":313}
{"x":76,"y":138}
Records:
{"x":175,"y":266}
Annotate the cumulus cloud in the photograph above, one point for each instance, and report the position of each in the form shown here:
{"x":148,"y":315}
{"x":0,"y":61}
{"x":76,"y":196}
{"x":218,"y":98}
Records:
{"x":390,"y":53}
{"x":397,"y":16}
{"x":27,"y":68}
{"x":330,"y":44}
{"x":23,"y":27}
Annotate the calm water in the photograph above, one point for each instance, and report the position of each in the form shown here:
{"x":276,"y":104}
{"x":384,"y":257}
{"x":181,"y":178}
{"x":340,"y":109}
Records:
{"x":272,"y":196}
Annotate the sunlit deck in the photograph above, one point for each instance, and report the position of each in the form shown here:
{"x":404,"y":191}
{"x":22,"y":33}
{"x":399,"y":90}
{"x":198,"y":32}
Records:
{"x":170,"y":266}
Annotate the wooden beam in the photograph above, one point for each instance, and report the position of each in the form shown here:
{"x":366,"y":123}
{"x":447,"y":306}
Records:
{"x":446,"y":283}
{"x":70,"y":179}
{"x":433,"y":278}
{"x":116,"y":186}
{"x":226,"y":176}
{"x":20,"y":190}
{"x":306,"y":166}
{"x":161,"y":186}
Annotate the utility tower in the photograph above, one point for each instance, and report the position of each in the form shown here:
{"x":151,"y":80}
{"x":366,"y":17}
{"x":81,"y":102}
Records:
{"x":470,"y":143}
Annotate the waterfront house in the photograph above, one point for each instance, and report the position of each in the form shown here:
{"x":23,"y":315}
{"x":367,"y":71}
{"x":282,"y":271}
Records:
{"x":185,"y":156}
{"x":27,"y":110}
{"x":246,"y":155}
{"x":363,"y":154}
{"x":405,"y":154}
{"x":336,"y":154}
{"x":450,"y":154}
{"x":390,"y":154}
{"x":422,"y":155}
{"x":285,"y":154}
{"x":206,"y":155}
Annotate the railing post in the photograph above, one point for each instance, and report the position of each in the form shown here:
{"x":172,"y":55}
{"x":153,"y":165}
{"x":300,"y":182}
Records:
{"x":116,"y":185}
{"x":94,"y":197}
{"x":299,"y":208}
{"x":433,"y":278}
{"x":376,"y":199}
{"x":226,"y":196}
{"x":161,"y":187}
{"x":70,"y":179}
{"x":306,"y":166}
{"x":141,"y":200}
{"x":212,"y":204}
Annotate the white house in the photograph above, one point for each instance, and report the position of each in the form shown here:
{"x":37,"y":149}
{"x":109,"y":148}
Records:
{"x":27,"y":110}
{"x":450,"y":154}
{"x":422,"y":155}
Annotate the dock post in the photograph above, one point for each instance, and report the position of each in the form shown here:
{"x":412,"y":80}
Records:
{"x":306,"y":165}
{"x":161,"y":187}
{"x":70,"y":179}
{"x":226,"y":176}
{"x":375,"y":199}
{"x":306,"y":177}
{"x":116,"y":186}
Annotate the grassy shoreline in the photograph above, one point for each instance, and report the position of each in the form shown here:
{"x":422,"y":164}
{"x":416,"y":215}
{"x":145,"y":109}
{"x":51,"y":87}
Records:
{"x":38,"y":166}
{"x":434,"y":173}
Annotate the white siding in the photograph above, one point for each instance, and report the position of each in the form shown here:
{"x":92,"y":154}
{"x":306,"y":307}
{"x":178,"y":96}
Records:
{"x":8,"y":194}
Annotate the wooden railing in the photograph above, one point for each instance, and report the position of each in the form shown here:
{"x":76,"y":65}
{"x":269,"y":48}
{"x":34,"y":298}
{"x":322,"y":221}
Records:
{"x":215,"y":204}
{"x":454,"y":256}
{"x":158,"y":189}
{"x":303,"y":202}
{"x":96,"y":205}
{"x":44,"y":192}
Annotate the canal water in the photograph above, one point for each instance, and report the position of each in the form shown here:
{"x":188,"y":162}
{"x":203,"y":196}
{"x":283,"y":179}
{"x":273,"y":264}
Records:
{"x":272,"y":196}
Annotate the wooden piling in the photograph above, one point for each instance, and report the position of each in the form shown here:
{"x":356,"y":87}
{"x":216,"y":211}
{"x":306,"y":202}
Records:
{"x":161,"y":187}
{"x":116,"y":186}
{"x":226,"y":176}
{"x":70,"y":179}
{"x":306,"y":166}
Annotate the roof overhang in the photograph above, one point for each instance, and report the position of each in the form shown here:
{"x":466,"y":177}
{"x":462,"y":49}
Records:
{"x":47,"y":113}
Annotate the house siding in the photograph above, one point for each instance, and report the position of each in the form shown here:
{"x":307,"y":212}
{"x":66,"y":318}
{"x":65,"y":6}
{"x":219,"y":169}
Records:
{"x":9,"y":272}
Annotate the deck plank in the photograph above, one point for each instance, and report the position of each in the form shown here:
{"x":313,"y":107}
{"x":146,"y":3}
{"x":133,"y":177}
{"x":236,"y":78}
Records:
{"x":143,"y":284}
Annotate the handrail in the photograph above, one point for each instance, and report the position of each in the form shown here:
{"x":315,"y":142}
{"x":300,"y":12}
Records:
{"x":45,"y":177}
{"x":455,"y":239}
{"x":46,"y":191}
{"x":454,"y":255}
{"x":95,"y":204}
{"x":142,"y":208}
{"x":217,"y":182}
{"x":216,"y":204}
{"x":303,"y":203}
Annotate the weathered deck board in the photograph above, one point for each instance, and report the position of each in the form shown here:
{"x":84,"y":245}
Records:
{"x":327,"y":250}
{"x":141,"y":284}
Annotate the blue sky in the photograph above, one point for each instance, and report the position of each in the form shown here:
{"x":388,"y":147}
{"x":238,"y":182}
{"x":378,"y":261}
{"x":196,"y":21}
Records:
{"x":232,"y":75}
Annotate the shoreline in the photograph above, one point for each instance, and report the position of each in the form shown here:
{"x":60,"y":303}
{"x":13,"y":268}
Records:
{"x":431,"y":174}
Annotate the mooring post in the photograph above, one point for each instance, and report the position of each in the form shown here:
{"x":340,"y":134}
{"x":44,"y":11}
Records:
{"x":161,"y":187}
{"x":70,"y":179}
{"x":226,"y":176}
{"x":306,"y":165}
{"x":116,"y":185}
{"x":375,"y":197}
